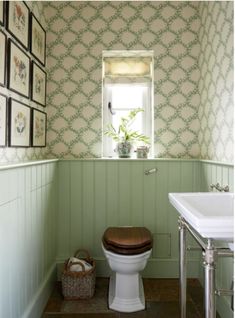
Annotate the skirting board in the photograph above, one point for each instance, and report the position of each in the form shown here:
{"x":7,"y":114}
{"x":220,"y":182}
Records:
{"x":39,"y":300}
{"x":156,"y":268}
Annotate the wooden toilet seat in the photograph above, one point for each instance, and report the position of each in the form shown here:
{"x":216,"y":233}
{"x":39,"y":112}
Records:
{"x":127,"y":240}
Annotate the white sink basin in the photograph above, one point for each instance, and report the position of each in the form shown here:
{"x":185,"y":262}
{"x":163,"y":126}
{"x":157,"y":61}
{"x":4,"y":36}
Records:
{"x":210,"y":214}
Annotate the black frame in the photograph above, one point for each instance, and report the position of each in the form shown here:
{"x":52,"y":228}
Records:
{"x":32,"y":83}
{"x":5,"y":145}
{"x":32,"y":127}
{"x":32,"y":16}
{"x":10,"y":43}
{"x":5,"y":60}
{"x":10,"y":144}
{"x":4,"y":12}
{"x":26,"y":46}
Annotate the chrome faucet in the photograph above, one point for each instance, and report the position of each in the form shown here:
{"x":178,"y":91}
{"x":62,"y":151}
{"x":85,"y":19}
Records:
{"x":219,"y":188}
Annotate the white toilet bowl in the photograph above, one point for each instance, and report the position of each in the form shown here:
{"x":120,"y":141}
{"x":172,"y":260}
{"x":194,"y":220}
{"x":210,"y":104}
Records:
{"x":126,"y":293}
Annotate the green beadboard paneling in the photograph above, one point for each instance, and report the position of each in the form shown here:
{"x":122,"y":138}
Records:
{"x":161,"y":245}
{"x":49,"y":215}
{"x":112,"y":187}
{"x":162,"y":203}
{"x":27,"y":238}
{"x":149,"y":197}
{"x":123,"y":195}
{"x":95,"y":194}
{"x":224,"y":174}
{"x":76,"y":191}
{"x":100,"y":196}
{"x":117,"y":192}
{"x":64,"y":214}
{"x":88,"y":219}
{"x":137,"y":193}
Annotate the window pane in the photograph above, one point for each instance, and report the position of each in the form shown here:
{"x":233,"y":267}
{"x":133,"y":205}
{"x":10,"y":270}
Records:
{"x":127,"y":96}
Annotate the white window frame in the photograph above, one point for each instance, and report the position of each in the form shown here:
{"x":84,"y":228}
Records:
{"x":148,"y":115}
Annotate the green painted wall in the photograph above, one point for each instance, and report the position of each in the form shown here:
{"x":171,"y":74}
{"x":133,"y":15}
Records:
{"x":95,"y":194}
{"x":42,"y":224}
{"x":27,"y":239}
{"x":224,"y":174}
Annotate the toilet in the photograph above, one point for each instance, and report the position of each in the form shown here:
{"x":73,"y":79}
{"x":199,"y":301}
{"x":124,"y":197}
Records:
{"x":127,"y":250}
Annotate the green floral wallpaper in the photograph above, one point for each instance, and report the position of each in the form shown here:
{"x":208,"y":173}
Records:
{"x":193,"y":72}
{"x":216,"y":80}
{"x":77,"y":34}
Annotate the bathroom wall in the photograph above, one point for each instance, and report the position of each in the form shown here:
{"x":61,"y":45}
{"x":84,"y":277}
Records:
{"x":95,"y":194}
{"x":216,"y":110}
{"x":79,"y":31}
{"x":193,"y":44}
{"x":27,"y":238}
{"x":212,"y":172}
{"x":12,"y":154}
{"x":216,"y":113}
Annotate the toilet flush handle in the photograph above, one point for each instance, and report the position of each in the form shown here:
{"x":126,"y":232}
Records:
{"x":150,"y":171}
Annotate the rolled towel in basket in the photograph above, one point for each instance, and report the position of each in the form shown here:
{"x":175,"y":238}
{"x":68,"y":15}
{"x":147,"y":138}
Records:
{"x":78,"y":267}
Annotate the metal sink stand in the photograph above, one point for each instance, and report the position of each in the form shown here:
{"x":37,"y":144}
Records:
{"x":210,"y":254}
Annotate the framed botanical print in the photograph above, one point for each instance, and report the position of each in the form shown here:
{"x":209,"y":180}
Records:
{"x":18,"y":21}
{"x":39,"y":122}
{"x":19,"y":124}
{"x":38,"y":85}
{"x":2,"y":12}
{"x":2,"y":58}
{"x":18,"y":70}
{"x":37,"y":40}
{"x":3,"y":120}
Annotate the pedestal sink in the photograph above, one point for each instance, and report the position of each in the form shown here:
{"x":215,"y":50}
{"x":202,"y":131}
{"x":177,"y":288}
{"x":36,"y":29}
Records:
{"x":208,"y":217}
{"x":211,"y":214}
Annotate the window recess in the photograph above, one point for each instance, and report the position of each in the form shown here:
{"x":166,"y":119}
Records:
{"x":127,"y":84}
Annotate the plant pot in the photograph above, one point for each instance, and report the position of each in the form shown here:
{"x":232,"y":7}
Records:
{"x":124,"y":149}
{"x":142,"y":152}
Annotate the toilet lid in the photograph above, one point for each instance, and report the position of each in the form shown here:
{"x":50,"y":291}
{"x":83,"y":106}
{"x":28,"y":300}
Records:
{"x":127,"y":240}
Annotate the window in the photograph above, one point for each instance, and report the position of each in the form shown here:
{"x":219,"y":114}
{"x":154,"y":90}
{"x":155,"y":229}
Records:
{"x":127,"y":84}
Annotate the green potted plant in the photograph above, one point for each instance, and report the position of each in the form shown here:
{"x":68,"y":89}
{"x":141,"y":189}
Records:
{"x":125,"y":136}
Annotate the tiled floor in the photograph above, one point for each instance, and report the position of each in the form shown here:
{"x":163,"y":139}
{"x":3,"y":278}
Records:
{"x":162,"y":301}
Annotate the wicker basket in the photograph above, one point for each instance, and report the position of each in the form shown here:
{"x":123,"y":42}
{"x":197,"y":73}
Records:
{"x":78,"y":285}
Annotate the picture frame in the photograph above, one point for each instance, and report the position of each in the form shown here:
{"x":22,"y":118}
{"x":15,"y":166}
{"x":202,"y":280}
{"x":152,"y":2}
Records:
{"x":3,"y":44}
{"x":39,"y":123}
{"x":3,"y":120}
{"x":2,"y":12}
{"x":37,"y":40}
{"x":19,"y":124}
{"x":38,"y":84}
{"x":18,"y":21}
{"x":18,"y":70}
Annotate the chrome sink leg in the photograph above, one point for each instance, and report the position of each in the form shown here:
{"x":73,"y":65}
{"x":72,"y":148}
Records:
{"x":209,"y":256}
{"x":182,"y":269}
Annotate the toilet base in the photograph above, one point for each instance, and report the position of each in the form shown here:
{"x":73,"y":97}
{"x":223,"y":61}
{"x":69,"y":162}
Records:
{"x":134,"y":297}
